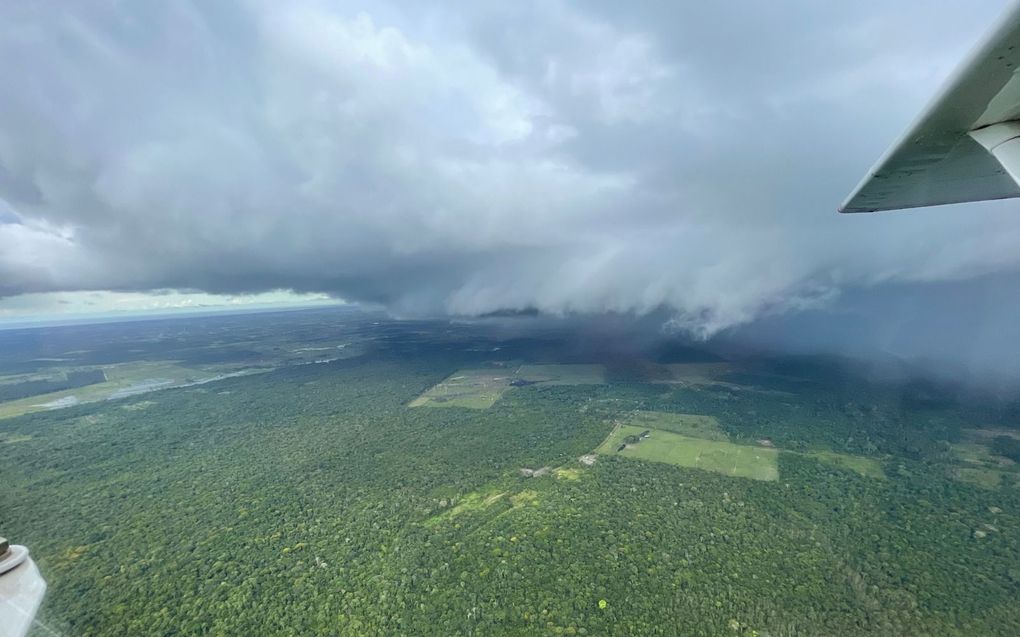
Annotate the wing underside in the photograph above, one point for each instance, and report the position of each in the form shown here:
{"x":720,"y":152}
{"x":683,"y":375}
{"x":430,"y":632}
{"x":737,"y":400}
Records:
{"x":21,"y":590}
{"x":942,"y":159}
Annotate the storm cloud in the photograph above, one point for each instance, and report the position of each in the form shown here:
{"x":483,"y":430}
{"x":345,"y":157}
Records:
{"x":465,"y":158}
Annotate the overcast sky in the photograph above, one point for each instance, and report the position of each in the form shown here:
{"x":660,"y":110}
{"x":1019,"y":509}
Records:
{"x":468,"y":157}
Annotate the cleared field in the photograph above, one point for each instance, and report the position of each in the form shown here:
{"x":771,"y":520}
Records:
{"x":694,"y":425}
{"x":986,"y":435}
{"x":470,"y":388}
{"x":867,"y":467}
{"x":695,"y":373}
{"x":976,"y":451}
{"x":476,"y":501}
{"x":567,"y":474}
{"x":480,"y":501}
{"x":973,"y":453}
{"x":758,"y":463}
{"x":12,"y":438}
{"x":122,"y":380}
{"x":69,"y":379}
{"x":709,"y":428}
{"x":980,"y":476}
{"x":563,"y":374}
{"x":481,"y":388}
{"x":976,"y":462}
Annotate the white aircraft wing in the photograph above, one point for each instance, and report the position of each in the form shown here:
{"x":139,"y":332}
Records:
{"x":21,"y":590}
{"x":966,"y":145}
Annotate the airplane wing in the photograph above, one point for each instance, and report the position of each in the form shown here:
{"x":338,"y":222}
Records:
{"x":21,"y":590}
{"x":966,"y":145}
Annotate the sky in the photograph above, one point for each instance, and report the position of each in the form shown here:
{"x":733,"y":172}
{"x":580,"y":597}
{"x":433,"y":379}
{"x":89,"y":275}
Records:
{"x":464,"y":158}
{"x":44,"y":306}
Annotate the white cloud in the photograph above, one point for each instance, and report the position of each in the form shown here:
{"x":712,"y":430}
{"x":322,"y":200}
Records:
{"x":467,"y":159}
{"x":48,"y":305}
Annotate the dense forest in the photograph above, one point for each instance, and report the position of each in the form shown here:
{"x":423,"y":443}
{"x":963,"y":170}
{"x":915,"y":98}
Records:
{"x":313,"y":500}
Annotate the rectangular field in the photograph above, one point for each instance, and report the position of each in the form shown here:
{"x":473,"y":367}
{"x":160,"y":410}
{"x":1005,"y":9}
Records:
{"x":865,"y":466}
{"x":563,"y":374}
{"x":470,"y":388}
{"x":61,"y":381}
{"x":758,"y":463}
{"x":975,"y":462}
{"x":694,"y":425}
{"x":695,"y":373}
{"x":122,"y":380}
{"x":481,"y":388}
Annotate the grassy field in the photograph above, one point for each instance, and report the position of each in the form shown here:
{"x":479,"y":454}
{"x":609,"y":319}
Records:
{"x":481,"y":388}
{"x":122,"y":380}
{"x":986,"y":435}
{"x":974,"y":454}
{"x":758,"y":463}
{"x":694,"y":425}
{"x":979,"y":476}
{"x":470,"y":388}
{"x":476,"y":501}
{"x":976,"y":462}
{"x":13,"y":438}
{"x":563,"y":374}
{"x":708,"y":428}
{"x":695,"y":373}
{"x":482,"y":501}
{"x":564,"y":473}
{"x":867,"y":467}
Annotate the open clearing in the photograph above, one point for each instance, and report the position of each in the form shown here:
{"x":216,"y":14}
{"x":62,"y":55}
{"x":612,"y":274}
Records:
{"x":476,"y":501}
{"x":122,"y":380}
{"x":695,"y":440}
{"x":563,"y":374}
{"x":865,"y":466}
{"x":13,"y":438}
{"x":695,"y":373}
{"x":974,"y":450}
{"x":986,"y":435}
{"x":758,"y":463}
{"x":694,"y":425}
{"x":978,"y":455}
{"x":470,"y":388}
{"x":979,"y":476}
{"x":484,"y":500}
{"x":481,"y":388}
{"x":567,"y":474}
{"x":977,"y":464}
{"x":699,"y":375}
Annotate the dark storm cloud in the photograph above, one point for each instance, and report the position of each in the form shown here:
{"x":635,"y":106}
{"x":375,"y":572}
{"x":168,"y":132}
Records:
{"x":622,"y":157}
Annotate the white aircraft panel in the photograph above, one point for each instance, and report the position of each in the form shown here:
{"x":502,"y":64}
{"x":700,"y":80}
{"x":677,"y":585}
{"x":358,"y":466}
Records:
{"x":21,"y":591}
{"x":937,"y":161}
